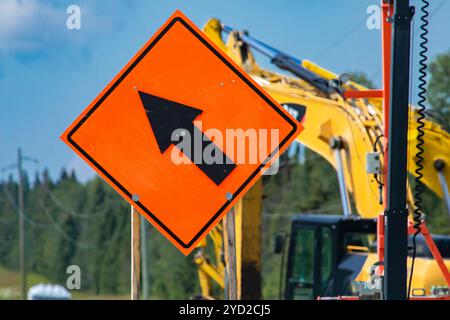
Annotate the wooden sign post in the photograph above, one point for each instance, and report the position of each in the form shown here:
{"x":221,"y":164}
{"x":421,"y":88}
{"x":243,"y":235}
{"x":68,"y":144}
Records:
{"x":231,"y":292}
{"x":135,"y":254}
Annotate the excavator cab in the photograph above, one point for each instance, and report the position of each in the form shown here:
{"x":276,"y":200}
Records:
{"x":326,"y":253}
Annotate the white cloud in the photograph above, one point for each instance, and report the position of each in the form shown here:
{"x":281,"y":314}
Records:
{"x":25,"y":24}
{"x":33,"y":26}
{"x":14,"y":14}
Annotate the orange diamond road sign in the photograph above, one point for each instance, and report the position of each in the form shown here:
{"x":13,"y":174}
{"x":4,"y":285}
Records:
{"x":135,"y":133}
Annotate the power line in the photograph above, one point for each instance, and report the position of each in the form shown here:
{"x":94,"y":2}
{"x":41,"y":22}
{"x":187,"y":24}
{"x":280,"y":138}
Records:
{"x":343,"y":37}
{"x":10,"y":199}
{"x":58,"y":203}
{"x":59,"y":229}
{"x":83,"y":215}
{"x":30,"y":221}
{"x":433,"y":13}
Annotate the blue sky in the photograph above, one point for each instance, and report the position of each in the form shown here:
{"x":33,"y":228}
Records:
{"x":49,"y":74}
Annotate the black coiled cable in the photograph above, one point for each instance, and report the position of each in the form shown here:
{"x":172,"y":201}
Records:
{"x":419,"y":186}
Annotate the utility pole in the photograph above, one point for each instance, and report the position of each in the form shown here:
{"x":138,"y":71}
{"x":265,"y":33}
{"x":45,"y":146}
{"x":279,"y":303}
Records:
{"x":396,"y":235}
{"x":23,"y":274}
{"x":21,"y":212}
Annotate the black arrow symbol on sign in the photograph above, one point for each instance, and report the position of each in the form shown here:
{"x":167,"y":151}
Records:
{"x":167,"y":116}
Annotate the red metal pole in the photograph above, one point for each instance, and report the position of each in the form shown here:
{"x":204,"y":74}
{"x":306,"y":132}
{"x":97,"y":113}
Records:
{"x":380,"y":241}
{"x":356,"y":94}
{"x":386,"y":12}
{"x":433,"y":248}
{"x":386,"y":42}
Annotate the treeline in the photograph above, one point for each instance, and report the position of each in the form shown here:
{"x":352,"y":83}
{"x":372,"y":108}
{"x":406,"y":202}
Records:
{"x":70,"y":223}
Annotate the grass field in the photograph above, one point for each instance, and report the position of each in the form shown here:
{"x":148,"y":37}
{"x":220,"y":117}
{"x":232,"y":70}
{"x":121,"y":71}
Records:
{"x":10,"y":287}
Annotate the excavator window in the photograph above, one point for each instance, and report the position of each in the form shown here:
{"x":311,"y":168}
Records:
{"x":326,"y":253}
{"x":304,"y":255}
{"x":326,"y":256}
{"x":303,"y":267}
{"x":358,"y":242}
{"x":311,"y":264}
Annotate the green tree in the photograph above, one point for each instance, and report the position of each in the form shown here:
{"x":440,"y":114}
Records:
{"x":439,"y":88}
{"x":361,"y":78}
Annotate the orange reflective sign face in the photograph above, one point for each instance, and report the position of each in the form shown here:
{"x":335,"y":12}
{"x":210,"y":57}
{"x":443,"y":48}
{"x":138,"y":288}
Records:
{"x":181,"y":132}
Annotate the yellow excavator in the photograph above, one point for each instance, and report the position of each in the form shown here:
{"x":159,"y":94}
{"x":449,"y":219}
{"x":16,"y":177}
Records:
{"x":327,"y":255}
